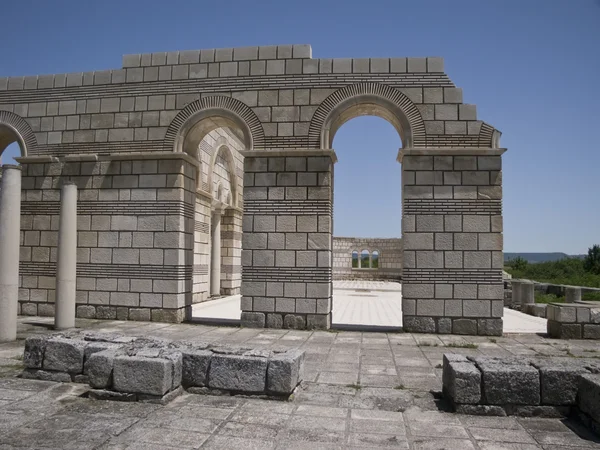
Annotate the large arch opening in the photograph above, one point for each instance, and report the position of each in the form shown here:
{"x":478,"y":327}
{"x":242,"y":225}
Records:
{"x":367,"y":216}
{"x":216,"y":138}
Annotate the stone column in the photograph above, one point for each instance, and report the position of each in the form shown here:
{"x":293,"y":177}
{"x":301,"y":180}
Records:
{"x":286,"y":242}
{"x":452,"y":236}
{"x":10,"y":229}
{"x":527,"y":289}
{"x":215,"y":253}
{"x":66,"y":262}
{"x":572,"y":294}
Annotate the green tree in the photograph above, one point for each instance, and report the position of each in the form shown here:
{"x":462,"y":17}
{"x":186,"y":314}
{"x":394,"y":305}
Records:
{"x":591,"y":263}
{"x":518,"y":263}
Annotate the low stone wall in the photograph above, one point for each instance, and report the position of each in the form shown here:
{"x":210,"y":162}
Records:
{"x":547,"y":387}
{"x":390,"y":258}
{"x":579,"y":320}
{"x":157,"y":370}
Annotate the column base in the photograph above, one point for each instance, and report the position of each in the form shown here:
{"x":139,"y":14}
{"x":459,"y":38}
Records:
{"x":286,"y":321}
{"x":458,"y":325}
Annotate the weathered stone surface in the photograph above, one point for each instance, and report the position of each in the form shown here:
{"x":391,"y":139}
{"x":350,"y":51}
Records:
{"x":413,"y":324}
{"x":97,"y":346}
{"x":33,"y":356}
{"x":86,"y":312}
{"x":274,"y":321}
{"x":195,"y":366}
{"x":101,"y":394}
{"x":464,"y":326}
{"x":142,"y":375}
{"x":480,"y":410}
{"x":591,"y":331}
{"x":489,"y":327}
{"x":99,"y":368}
{"x":588,"y":398}
{"x":252,"y":319}
{"x":64,"y":355}
{"x":461,"y":381}
{"x":545,"y":411}
{"x":444,"y":325}
{"x":176,"y":359}
{"x":45,"y":375}
{"x":559,"y":381}
{"x":238,"y":373}
{"x":285,"y":372}
{"x":510,"y":384}
{"x":294,"y":322}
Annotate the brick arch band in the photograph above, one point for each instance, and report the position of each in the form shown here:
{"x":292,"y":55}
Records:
{"x":23,"y":131}
{"x":216,"y":105}
{"x":389,"y":98}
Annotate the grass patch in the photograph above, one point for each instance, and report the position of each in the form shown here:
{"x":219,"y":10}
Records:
{"x":548,"y":298}
{"x":427,"y":344}
{"x":356,"y":386}
{"x":591,"y":296}
{"x":18,"y":357}
{"x":400,"y":387}
{"x":492,"y":340}
{"x":569,"y":271}
{"x":439,"y":366}
{"x":461,"y":345}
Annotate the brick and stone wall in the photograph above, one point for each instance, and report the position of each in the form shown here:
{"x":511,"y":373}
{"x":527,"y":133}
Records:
{"x":390,"y":258}
{"x":281,"y":109}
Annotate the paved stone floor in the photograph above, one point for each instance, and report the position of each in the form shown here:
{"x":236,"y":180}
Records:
{"x":361,"y":391}
{"x":370,"y":303}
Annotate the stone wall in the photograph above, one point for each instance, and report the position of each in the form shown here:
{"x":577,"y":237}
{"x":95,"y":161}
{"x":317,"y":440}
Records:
{"x":282,"y":108}
{"x":390,"y":258}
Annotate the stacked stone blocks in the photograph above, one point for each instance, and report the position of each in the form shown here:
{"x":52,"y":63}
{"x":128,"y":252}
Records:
{"x":574,"y":320}
{"x":452,"y":236}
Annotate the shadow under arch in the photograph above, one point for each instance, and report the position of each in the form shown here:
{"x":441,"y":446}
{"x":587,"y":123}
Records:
{"x":223,"y":148}
{"x":367,"y":99}
{"x":13,"y":128}
{"x":200,"y":117}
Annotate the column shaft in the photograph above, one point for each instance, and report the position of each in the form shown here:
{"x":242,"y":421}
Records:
{"x":215,"y":255}
{"x":66,"y":265}
{"x":10,"y":224}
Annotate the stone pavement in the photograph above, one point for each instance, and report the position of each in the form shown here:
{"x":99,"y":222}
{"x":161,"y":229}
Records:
{"x":371,"y":303}
{"x":362,"y":391}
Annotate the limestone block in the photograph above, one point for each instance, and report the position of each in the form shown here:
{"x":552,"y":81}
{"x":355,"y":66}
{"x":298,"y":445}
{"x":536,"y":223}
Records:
{"x":591,"y":331}
{"x":507,"y":383}
{"x":35,"y":347}
{"x":99,"y":368}
{"x":559,"y":381}
{"x":253,"y":319}
{"x":589,"y":395}
{"x":489,"y":327}
{"x":294,"y":322}
{"x":464,"y":326}
{"x":238,"y":373}
{"x":274,"y":321}
{"x":414,"y":324}
{"x":461,"y":381}
{"x":285,"y":371}
{"x":142,"y":375}
{"x":64,"y":355}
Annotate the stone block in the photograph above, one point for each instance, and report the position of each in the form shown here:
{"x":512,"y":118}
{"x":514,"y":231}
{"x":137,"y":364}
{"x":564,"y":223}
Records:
{"x":285,"y":372}
{"x":559,"y":381}
{"x":44,"y":375}
{"x":195,"y":364}
{"x":591,"y":331}
{"x":414,"y":324}
{"x":142,"y":375}
{"x":274,"y":321}
{"x":99,"y":368}
{"x":588,"y":398}
{"x":64,"y":355}
{"x":33,"y":356}
{"x":461,"y":380}
{"x":464,"y":326}
{"x":510,"y":384}
{"x":294,"y":322}
{"x":86,"y":312}
{"x":253,"y":319}
{"x":238,"y":373}
{"x":489,"y":327}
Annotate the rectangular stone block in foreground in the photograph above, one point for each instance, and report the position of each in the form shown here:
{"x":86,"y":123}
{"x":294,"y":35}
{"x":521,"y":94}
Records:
{"x":589,"y":396}
{"x":461,"y":380}
{"x":238,"y":373}
{"x":285,"y":371}
{"x":559,"y":381}
{"x":142,"y":375}
{"x":510,"y":384}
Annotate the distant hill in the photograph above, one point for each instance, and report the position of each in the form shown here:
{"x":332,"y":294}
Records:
{"x":540,"y":257}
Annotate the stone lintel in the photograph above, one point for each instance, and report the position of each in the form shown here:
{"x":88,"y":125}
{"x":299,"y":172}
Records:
{"x":446,"y":151}
{"x":36,"y":159}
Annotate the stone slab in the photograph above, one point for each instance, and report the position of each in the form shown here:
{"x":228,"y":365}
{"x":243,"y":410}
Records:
{"x":64,"y":355}
{"x":142,"y":375}
{"x":285,"y":371}
{"x":238,"y":373}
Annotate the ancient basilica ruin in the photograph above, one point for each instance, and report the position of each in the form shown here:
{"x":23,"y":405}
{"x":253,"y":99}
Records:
{"x":210,"y":172}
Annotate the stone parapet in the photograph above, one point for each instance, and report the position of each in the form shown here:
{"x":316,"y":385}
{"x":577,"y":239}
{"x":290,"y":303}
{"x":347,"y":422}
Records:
{"x":574,"y":320}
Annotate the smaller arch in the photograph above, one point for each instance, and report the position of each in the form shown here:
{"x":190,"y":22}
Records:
{"x":367,"y":99}
{"x":375,"y":255}
{"x":14,"y":128}
{"x":365,"y":259}
{"x":355,"y":260}
{"x":231,"y":169}
{"x":200,"y":117}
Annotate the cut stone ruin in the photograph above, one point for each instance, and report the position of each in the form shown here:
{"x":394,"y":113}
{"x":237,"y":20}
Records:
{"x":157,"y":370}
{"x":541,"y":387}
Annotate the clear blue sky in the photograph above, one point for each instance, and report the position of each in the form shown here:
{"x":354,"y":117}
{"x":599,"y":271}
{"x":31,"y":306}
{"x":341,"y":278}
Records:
{"x":531,"y":66}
